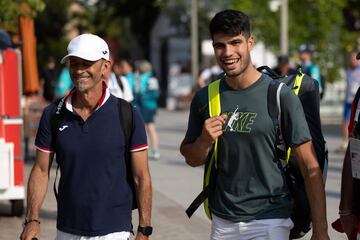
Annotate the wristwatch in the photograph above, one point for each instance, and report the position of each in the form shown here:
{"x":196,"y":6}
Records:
{"x":147,"y":231}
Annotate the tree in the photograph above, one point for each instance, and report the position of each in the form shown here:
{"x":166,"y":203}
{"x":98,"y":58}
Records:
{"x":127,"y":21}
{"x":314,"y":22}
{"x":49,"y":28}
{"x":10,"y":11}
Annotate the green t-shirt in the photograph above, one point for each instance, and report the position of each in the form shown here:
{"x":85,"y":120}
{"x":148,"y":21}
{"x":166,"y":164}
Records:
{"x":250,"y":184}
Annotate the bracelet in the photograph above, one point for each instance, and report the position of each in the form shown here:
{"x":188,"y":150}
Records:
{"x":31,"y":220}
{"x":345,"y":212}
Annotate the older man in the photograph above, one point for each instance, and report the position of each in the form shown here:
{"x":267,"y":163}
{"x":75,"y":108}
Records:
{"x":95,"y":197}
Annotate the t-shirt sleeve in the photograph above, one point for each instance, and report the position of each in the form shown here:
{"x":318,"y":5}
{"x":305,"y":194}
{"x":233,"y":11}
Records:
{"x":295,"y":128}
{"x":44,"y":140}
{"x":198,"y":114}
{"x":139,"y":138}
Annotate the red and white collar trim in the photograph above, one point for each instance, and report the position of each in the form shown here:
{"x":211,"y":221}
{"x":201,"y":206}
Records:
{"x":105,"y":96}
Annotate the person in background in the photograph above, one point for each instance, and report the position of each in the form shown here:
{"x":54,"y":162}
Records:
{"x":349,"y":207}
{"x":95,"y":197}
{"x":352,"y":85}
{"x":251,"y":198}
{"x":146,"y":93}
{"x":64,"y":83}
{"x":308,"y":67}
{"x":118,"y":85}
{"x":209,"y":74}
{"x":283,"y":67}
{"x":49,"y":76}
{"x":127,"y":70}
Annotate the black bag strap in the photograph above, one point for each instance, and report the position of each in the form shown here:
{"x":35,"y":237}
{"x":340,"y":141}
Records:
{"x":274,"y":109}
{"x":119,"y":82}
{"x":205,"y":193}
{"x":268,"y":71}
{"x":126,"y":120}
{"x":207,"y":189}
{"x":57,"y":114}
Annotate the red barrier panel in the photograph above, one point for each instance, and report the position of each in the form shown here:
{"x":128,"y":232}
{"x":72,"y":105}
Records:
{"x":10,"y":84}
{"x":10,"y":112}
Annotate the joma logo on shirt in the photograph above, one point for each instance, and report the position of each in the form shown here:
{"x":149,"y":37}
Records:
{"x":240,"y":122}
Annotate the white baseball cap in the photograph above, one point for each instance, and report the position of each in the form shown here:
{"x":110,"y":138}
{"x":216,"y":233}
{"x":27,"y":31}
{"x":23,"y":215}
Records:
{"x":87,"y":46}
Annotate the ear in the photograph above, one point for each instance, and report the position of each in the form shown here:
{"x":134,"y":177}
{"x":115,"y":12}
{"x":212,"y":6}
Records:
{"x":251,"y":42}
{"x":106,"y":66}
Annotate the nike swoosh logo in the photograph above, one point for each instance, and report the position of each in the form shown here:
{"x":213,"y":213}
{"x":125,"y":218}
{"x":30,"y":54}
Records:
{"x":63,"y":128}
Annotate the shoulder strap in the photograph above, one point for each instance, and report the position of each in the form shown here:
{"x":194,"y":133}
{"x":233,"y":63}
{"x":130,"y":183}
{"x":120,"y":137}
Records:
{"x":214,"y":98}
{"x":296,"y":88}
{"x":274,"y":109}
{"x":119,"y":82}
{"x":126,"y":118}
{"x":209,"y":180}
{"x":214,"y":108}
{"x":125,"y":110}
{"x":268,"y":71}
{"x":297,"y":83}
{"x":57,"y":114}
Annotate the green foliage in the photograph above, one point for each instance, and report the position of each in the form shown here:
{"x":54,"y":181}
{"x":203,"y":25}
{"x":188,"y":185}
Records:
{"x":10,"y":11}
{"x":120,"y":22}
{"x":8,"y":15}
{"x":316,"y":22}
{"x":49,"y":30}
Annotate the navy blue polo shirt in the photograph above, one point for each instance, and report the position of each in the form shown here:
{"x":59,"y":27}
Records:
{"x":94,"y":196}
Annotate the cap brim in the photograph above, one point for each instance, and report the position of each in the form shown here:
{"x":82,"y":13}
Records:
{"x":83,"y":55}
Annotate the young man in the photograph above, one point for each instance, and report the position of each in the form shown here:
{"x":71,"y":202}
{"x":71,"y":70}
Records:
{"x":250,"y":199}
{"x":95,"y":199}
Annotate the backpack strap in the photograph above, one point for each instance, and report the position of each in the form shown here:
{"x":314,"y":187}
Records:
{"x":210,"y":173}
{"x":57,"y":114}
{"x":275,"y":114}
{"x":268,"y":71}
{"x":274,"y":109}
{"x":214,"y":107}
{"x":296,"y":88}
{"x":297,"y":83}
{"x":119,"y":82}
{"x":125,"y":110}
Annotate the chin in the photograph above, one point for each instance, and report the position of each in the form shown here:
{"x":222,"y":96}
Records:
{"x":81,"y":88}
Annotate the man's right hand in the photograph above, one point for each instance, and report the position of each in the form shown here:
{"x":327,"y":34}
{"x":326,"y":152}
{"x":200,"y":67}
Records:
{"x":349,"y":224}
{"x":31,"y":231}
{"x":212,"y":128}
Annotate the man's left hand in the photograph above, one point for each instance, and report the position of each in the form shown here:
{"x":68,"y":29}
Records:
{"x":140,"y":236}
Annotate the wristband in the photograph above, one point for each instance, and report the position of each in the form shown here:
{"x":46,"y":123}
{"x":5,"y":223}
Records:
{"x":31,"y":220}
{"x":345,"y":212}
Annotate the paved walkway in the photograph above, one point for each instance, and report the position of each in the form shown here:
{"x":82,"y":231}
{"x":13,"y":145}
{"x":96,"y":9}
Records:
{"x":175,"y":186}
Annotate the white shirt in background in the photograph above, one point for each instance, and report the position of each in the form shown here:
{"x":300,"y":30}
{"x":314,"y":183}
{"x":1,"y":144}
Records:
{"x":115,"y":89}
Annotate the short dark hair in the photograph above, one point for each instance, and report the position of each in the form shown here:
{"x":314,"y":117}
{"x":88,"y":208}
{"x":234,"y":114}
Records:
{"x":231,"y":22}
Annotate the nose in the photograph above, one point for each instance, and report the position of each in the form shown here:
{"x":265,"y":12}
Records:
{"x":228,"y":50}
